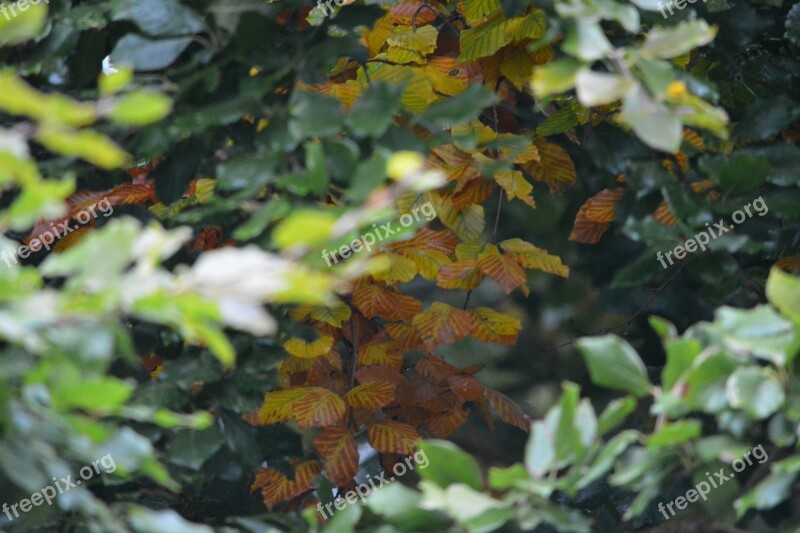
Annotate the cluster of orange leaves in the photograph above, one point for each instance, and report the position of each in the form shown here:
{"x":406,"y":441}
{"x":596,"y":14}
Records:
{"x":370,"y":367}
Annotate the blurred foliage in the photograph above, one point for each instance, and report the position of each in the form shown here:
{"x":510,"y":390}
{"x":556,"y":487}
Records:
{"x":198,"y":335}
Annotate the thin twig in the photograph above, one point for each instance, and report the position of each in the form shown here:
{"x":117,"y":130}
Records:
{"x":633,"y":317}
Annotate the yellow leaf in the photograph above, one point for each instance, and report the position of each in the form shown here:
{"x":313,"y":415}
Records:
{"x":529,"y":256}
{"x":422,"y":40}
{"x":467,"y":224}
{"x":515,"y":185}
{"x":486,"y":39}
{"x":371,"y":395}
{"x":300,"y":348}
{"x":491,"y":326}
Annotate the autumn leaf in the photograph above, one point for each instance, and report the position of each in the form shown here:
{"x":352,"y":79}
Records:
{"x":442,"y":324}
{"x":300,"y":348}
{"x":276,"y":487}
{"x":372,"y":395}
{"x":507,"y":410}
{"x":529,"y":256}
{"x":445,"y":423}
{"x":339,"y":449}
{"x":490,"y":326}
{"x":333,"y":314}
{"x":554,"y":166}
{"x":460,"y":275}
{"x":374,"y":300}
{"x":319,"y":407}
{"x":390,"y":436}
{"x":380,"y":353}
{"x":515,"y":185}
{"x":501,"y":268}
{"x":278,"y":405}
{"x":401,"y":269}
{"x":595,"y":216}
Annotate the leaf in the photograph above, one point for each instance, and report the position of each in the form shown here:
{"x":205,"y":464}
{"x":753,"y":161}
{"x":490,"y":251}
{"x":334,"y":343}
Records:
{"x":318,"y":407}
{"x":442,"y":324}
{"x":445,"y":423}
{"x":653,"y":122}
{"x":554,"y":166}
{"x":145,"y":54}
{"x":507,"y":410}
{"x":529,"y":256}
{"x":613,"y":363}
{"x":515,"y":185}
{"x":783,"y":291}
{"x":475,"y":10}
{"x":389,"y":436}
{"x":334,"y":314}
{"x":460,"y":275}
{"x":401,"y":269}
{"x":448,"y":464}
{"x":467,"y":224}
{"x":501,"y":268}
{"x":422,"y":40}
{"x":555,"y":77}
{"x":140,"y":108}
{"x":374,"y":300}
{"x":596,"y":88}
{"x":275,"y":487}
{"x":278,"y":405}
{"x":486,"y":39}
{"x":676,"y":40}
{"x":340,"y":451}
{"x":380,"y":353}
{"x":595,"y":216}
{"x":372,"y":395}
{"x":465,"y":387}
{"x":300,"y":348}
{"x":757,"y":391}
{"x":490,"y":326}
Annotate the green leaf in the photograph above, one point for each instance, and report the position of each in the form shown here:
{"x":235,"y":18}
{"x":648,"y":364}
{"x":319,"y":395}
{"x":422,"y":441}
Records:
{"x":24,"y":25}
{"x":783,"y":291}
{"x":587,"y":41}
{"x":192,"y":448}
{"x":757,"y":391}
{"x":374,"y":111}
{"x":615,"y":413}
{"x":448,"y":464}
{"x":613,"y":363}
{"x":653,"y":122}
{"x":607,"y":456}
{"x":675,"y":433}
{"x":89,"y":145}
{"x":597,"y":88}
{"x":505,"y":478}
{"x":140,"y":108}
{"x":766,"y":495}
{"x":681,"y":353}
{"x":144,"y":54}
{"x":159,"y":18}
{"x":555,"y":77}
{"x":677,"y":40}
{"x":314,"y":115}
{"x":304,"y":228}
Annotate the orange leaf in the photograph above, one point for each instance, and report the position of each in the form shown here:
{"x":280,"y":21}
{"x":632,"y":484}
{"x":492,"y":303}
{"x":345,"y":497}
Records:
{"x":340,"y":451}
{"x":466,"y":387}
{"x":460,"y":275}
{"x":404,"y":337}
{"x":278,"y":405}
{"x":374,"y":300}
{"x":595,"y":216}
{"x":476,"y":191}
{"x":372,"y":395}
{"x":276,"y":487}
{"x":426,"y":239}
{"x":507,"y":410}
{"x":318,"y":407}
{"x":501,"y":268}
{"x":132,"y":194}
{"x":435,"y":369}
{"x":442,"y":324}
{"x":663,"y":215}
{"x":443,"y":424}
{"x":389,"y":436}
{"x":403,"y":13}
